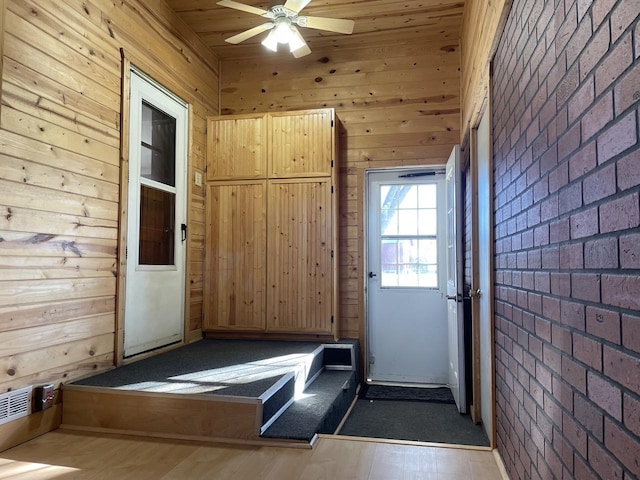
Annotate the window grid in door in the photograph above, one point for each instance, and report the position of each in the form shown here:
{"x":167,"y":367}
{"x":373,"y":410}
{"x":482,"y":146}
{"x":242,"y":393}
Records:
{"x":408,"y":235}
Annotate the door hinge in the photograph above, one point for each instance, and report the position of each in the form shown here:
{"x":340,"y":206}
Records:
{"x":331,"y":253}
{"x":126,"y":252}
{"x":331,"y":319}
{"x":331,"y":163}
{"x":372,"y":360}
{"x":331,"y":188}
{"x":331,"y":123}
{"x":206,"y":167}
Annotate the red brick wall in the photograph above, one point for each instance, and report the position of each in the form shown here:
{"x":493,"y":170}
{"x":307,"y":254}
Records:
{"x":566,"y":94}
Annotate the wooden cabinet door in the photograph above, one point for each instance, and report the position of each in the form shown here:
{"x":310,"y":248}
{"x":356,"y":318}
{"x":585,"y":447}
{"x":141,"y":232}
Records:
{"x":237,"y":147}
{"x":299,"y":264}
{"x":236,"y":256}
{"x":300,"y":143}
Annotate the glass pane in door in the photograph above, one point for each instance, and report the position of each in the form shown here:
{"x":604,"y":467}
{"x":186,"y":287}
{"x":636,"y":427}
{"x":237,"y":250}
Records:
{"x":158,"y":146}
{"x":157,"y":220}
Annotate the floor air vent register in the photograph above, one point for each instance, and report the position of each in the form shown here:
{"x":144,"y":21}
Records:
{"x":15,"y":404}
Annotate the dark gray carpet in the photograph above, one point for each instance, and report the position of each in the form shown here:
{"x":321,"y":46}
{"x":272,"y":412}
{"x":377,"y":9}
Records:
{"x":209,"y":366}
{"x":414,"y":421}
{"x":387,"y":392}
{"x":320,"y":410}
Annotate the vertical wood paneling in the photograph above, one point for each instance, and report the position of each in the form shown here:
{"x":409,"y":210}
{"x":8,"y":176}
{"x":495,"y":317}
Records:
{"x":481,"y":28}
{"x":60,"y":173}
{"x":237,"y":148}
{"x":300,"y":144}
{"x":299,"y":274}
{"x":399,"y":105}
{"x":236,"y":239}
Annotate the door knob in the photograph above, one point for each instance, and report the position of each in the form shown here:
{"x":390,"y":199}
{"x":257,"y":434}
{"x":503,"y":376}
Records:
{"x":371,"y":275}
{"x":474,"y":293}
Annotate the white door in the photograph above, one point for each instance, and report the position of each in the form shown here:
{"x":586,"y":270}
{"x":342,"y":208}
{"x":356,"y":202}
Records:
{"x":155,"y":273}
{"x":485,"y":268}
{"x":455,"y":313}
{"x":406,"y":284}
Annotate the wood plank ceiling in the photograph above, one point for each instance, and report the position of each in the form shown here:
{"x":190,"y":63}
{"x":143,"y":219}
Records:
{"x":377,"y":22}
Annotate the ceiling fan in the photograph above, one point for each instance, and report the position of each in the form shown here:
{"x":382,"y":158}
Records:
{"x":283,"y":23}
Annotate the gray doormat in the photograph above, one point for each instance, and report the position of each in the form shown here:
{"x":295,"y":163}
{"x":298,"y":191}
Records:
{"x":415,"y":394}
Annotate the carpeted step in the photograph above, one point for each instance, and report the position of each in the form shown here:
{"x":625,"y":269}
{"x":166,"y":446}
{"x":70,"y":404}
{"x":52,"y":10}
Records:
{"x":319,"y":410}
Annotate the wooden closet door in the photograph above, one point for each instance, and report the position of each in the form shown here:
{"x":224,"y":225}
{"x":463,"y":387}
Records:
{"x":237,"y":147}
{"x":236,"y":256}
{"x":300,"y":143}
{"x":299,"y":264}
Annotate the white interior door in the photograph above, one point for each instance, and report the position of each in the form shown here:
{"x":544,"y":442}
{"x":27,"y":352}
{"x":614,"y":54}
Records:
{"x":455,"y":313}
{"x":406,"y":284}
{"x":155,"y":273}
{"x":485,"y":268}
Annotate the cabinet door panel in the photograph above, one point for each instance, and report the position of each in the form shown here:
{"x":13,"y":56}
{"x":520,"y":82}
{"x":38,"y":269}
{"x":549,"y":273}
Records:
{"x":299,"y":273}
{"x":237,"y":148}
{"x":300,"y":144}
{"x":236,"y":238}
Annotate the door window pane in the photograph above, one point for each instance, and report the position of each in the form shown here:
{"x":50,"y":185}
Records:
{"x":409,"y":242}
{"x":158,"y":146}
{"x":157,"y":220}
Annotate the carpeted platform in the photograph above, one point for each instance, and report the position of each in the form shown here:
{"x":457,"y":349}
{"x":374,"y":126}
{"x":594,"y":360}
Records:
{"x":218,"y":367}
{"x":414,"y":421}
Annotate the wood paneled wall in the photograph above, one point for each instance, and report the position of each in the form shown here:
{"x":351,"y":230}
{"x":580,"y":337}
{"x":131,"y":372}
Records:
{"x":60,"y":173}
{"x":481,"y":29}
{"x":399,"y":106}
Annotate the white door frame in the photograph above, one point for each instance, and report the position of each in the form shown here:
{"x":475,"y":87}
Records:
{"x":128,"y":218}
{"x":483,"y":322}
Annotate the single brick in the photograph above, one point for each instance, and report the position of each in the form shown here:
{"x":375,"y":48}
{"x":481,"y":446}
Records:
{"x":583,"y":161}
{"x":597,"y":117}
{"x":605,"y":394}
{"x":575,"y":374}
{"x":569,"y":142}
{"x":570,"y":198}
{"x":604,"y":324}
{"x":568,"y":85}
{"x":620,"y":214}
{"x":559,"y":177}
{"x":571,"y":256}
{"x":622,"y":368}
{"x":631,"y":332}
{"x":560,"y":284}
{"x":615,"y":62}
{"x":589,"y":416}
{"x":572,"y":314}
{"x":621,"y":291}
{"x":595,"y":50}
{"x":627,"y":90}
{"x":603,"y":463}
{"x":585,"y":286}
{"x":585,"y":223}
{"x":582,"y":100}
{"x":623,"y":446}
{"x":587,"y":350}
{"x":601,"y":9}
{"x":631,"y":409}
{"x":630,"y":251}
{"x":625,"y":12}
{"x":575,"y":434}
{"x":559,"y":231}
{"x":617,"y":138}
{"x":600,"y":184}
{"x":602,"y":253}
{"x":629,"y":170}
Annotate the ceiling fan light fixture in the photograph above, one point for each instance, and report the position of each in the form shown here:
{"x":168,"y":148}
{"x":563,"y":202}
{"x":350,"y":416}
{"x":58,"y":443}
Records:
{"x":296,"y":41}
{"x":283,"y":32}
{"x":271,"y":42}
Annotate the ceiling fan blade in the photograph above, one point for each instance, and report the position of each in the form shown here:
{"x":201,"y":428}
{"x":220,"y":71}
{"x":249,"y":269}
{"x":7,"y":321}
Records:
{"x":252,"y":32}
{"x":296,"y":5}
{"x":329,"y":24}
{"x":242,"y":7}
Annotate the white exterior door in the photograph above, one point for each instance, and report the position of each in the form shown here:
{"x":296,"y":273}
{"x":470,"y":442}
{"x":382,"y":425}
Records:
{"x":455,"y":313}
{"x":406,"y":283}
{"x":155,"y":273}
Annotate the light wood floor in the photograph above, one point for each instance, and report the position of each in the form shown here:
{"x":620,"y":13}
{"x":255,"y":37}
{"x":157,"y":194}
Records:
{"x":68,"y":455}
